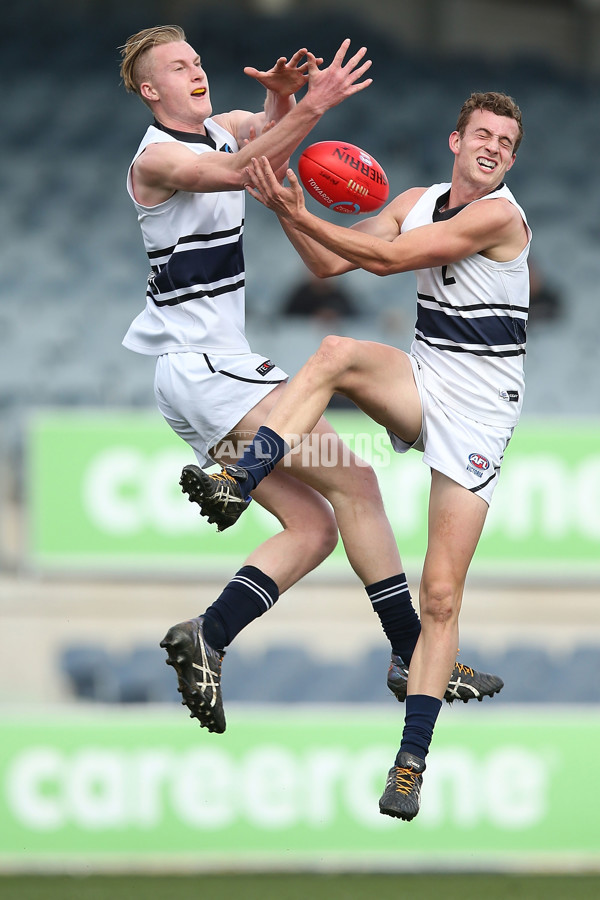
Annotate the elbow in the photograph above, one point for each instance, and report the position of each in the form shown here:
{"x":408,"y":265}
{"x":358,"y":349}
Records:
{"x":387,"y":264}
{"x":325,"y":267}
{"x":380,"y":271}
{"x":319,"y":270}
{"x":382,"y":268}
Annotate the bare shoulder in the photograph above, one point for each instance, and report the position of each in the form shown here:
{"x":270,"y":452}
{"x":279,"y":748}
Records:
{"x":234,"y":121}
{"x":500,"y":225}
{"x":405,"y":201}
{"x":159,"y":159}
{"x":499,"y":207}
{"x":161,"y":169}
{"x":155,"y":154}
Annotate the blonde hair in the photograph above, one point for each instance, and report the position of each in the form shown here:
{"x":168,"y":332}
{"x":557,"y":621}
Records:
{"x":134,"y":69}
{"x":492,"y":101}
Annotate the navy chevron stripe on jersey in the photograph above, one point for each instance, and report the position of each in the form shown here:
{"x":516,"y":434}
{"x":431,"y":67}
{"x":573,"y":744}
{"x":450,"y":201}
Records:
{"x":199,"y":272}
{"x":198,"y":294}
{"x":474,"y":350}
{"x":473,"y":307}
{"x":196,"y":239}
{"x":491,"y":330}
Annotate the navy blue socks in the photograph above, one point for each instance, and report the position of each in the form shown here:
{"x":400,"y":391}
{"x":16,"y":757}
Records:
{"x":400,"y":622}
{"x":261,"y":457}
{"x":249,"y":594}
{"x":419,"y":722}
{"x":392,"y":602}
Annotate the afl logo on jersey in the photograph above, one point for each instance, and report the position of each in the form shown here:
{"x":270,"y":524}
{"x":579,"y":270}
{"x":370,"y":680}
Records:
{"x":478,"y":464}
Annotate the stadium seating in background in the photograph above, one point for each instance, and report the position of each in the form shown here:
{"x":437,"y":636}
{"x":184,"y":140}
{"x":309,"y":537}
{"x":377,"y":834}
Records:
{"x":289,"y":674}
{"x":90,"y":671}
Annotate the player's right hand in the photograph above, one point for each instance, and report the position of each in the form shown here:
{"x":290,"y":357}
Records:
{"x":286,"y":77}
{"x":264,"y":185}
{"x":330,"y":86}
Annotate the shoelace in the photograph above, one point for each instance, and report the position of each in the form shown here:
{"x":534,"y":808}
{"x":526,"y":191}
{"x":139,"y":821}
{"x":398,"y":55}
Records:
{"x":208,"y":677}
{"x":464,"y":670}
{"x":224,"y":492}
{"x":223,"y":476}
{"x":405,"y":780}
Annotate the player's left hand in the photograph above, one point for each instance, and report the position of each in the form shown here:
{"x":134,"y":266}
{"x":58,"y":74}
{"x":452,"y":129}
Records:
{"x":286,"y":77}
{"x":263,"y":185}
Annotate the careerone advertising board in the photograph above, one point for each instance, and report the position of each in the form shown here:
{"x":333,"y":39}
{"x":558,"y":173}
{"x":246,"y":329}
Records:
{"x":281,"y":788}
{"x":105,"y":494}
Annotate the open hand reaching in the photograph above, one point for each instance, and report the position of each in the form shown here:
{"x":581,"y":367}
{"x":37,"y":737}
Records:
{"x":287,"y":76}
{"x":264,"y":186}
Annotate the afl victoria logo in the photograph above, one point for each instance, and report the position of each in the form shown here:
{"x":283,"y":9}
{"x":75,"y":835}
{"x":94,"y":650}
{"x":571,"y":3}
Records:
{"x":479,"y":461}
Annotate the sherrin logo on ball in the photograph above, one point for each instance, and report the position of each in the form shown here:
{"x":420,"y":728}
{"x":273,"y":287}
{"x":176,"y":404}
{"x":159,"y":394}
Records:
{"x":343,"y":177}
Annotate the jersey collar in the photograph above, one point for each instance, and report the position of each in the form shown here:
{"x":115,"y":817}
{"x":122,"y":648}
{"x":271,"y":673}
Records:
{"x":187,"y":137}
{"x":439,"y":216}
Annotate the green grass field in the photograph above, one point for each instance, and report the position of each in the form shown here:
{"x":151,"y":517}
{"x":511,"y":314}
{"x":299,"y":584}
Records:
{"x":302,"y":887}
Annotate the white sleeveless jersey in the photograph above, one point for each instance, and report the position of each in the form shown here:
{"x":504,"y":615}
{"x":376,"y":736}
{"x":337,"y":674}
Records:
{"x":471,"y":323}
{"x":195,"y":294}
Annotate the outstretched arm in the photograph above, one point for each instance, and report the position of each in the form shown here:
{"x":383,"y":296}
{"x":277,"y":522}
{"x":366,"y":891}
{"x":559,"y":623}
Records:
{"x":170,"y":167}
{"x":288,"y":203}
{"x":326,"y":88}
{"x":491,"y":226}
{"x":281,"y":82}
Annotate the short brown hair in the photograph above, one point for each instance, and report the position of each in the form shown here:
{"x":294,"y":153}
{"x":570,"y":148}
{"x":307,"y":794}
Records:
{"x":500,"y":104}
{"x":135,"y":50}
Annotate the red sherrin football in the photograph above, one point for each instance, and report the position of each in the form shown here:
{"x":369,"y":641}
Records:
{"x":343,"y":177}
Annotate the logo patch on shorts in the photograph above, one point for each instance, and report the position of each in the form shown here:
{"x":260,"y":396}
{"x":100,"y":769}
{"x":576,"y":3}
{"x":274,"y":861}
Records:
{"x":265,"y":367}
{"x":511,"y":396}
{"x":478,"y":464}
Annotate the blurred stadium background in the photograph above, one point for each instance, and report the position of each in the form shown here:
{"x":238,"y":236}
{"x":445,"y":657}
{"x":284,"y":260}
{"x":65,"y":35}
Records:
{"x":100,"y":554}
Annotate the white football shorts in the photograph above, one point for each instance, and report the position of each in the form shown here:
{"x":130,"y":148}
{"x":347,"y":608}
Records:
{"x":203,"y":396}
{"x":465,"y":450}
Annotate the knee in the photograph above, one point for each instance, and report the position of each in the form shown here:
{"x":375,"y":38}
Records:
{"x":316,"y":536}
{"x":329,"y":537}
{"x":438,"y":601}
{"x":320,"y":540}
{"x":335,"y":355}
